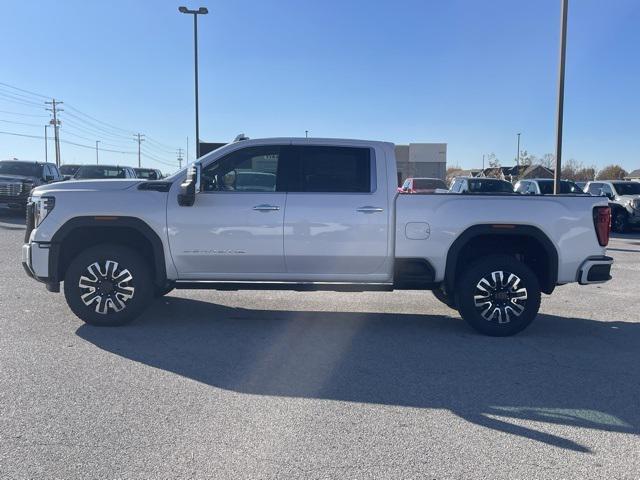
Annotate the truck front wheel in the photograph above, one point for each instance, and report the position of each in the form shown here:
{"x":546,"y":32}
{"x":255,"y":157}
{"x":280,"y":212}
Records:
{"x":108,"y":285}
{"x":498,"y":295}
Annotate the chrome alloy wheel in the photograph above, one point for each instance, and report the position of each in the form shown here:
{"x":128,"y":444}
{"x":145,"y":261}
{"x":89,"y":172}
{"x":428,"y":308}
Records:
{"x":106,"y":286}
{"x":500,"y":298}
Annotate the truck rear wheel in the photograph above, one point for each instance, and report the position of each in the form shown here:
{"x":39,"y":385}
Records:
{"x":108,"y":285}
{"x":498,"y":296}
{"x":620,"y":222}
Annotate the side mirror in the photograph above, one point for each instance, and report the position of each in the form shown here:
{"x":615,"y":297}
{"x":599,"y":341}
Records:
{"x":191,"y":186}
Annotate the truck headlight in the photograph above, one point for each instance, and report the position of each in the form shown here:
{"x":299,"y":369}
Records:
{"x":635,"y":203}
{"x":41,"y":208}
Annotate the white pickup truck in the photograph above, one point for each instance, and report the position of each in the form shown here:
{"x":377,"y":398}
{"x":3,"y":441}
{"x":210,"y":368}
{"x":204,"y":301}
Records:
{"x":308,"y":214}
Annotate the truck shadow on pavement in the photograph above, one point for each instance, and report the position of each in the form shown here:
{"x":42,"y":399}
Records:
{"x":565,"y":371}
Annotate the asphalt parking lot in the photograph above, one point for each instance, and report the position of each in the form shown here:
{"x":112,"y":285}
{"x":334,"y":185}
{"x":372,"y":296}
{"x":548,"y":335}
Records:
{"x":319,"y":385}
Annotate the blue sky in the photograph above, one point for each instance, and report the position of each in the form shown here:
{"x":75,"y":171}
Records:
{"x":465,"y":72}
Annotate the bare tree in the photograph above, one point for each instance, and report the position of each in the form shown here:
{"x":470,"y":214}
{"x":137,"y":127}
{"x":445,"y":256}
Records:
{"x":548,"y":160}
{"x":612,"y":172}
{"x":493,"y":160}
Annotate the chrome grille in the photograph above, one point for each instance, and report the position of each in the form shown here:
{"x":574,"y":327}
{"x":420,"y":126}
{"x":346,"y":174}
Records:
{"x":10,"y":189}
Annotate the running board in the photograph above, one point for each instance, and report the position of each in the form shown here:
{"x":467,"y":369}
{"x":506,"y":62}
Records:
{"x":297,"y":287}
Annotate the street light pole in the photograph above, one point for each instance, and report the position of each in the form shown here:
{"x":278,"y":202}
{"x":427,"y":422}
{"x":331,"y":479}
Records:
{"x":518,"y":154}
{"x":564,"y":10}
{"x":97,"y":142}
{"x":195,"y":13}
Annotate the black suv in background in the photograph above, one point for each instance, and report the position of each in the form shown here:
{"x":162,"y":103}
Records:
{"x":68,"y":170}
{"x":17,"y":178}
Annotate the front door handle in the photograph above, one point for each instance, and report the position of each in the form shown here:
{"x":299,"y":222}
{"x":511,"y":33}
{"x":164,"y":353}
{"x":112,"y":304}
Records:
{"x":369,"y":209}
{"x":266,"y":208}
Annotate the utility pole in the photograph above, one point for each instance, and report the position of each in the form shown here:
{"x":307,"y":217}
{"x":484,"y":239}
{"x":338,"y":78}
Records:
{"x":46,"y":145}
{"x":564,"y":10}
{"x":56,"y":126}
{"x":483,"y":163}
{"x":138,"y":137}
{"x":187,"y":157}
{"x":306,"y":134}
{"x":518,"y":154}
{"x":97,"y":142}
{"x":179,"y":158}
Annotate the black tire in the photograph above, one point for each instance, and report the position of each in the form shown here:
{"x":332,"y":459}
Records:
{"x":162,"y":291}
{"x":445,"y":298}
{"x":512,"y":302}
{"x":620,"y":222}
{"x":108,"y":285}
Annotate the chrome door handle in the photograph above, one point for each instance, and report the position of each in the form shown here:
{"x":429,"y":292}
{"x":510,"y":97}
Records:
{"x":266,"y":208}
{"x":369,"y":209}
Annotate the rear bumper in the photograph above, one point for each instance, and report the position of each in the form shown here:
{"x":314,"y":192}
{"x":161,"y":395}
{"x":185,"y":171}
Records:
{"x":595,"y":270}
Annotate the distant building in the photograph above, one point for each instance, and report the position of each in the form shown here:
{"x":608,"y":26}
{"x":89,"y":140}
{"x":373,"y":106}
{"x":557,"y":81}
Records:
{"x":635,"y":175}
{"x":421,"y":160}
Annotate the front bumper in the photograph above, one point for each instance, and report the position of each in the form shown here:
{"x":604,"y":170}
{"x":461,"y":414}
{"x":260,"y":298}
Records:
{"x":595,"y":270}
{"x":35,"y":261}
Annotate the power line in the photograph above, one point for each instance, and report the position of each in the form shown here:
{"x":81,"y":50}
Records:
{"x":40,"y":137}
{"x":10,"y":98}
{"x":26,"y":91}
{"x":22,"y":123}
{"x":24,"y":114}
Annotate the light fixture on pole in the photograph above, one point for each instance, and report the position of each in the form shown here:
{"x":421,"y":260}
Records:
{"x":195,"y":13}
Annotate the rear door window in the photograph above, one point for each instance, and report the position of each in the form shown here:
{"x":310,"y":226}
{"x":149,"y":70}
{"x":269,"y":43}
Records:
{"x":332,"y":170}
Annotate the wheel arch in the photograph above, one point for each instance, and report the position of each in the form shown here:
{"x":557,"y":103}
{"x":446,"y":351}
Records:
{"x":534,"y":245}
{"x":79,"y":233}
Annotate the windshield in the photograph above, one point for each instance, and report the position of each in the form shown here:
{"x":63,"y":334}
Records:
{"x":21,"y":168}
{"x":627,"y":188}
{"x":100,"y":171}
{"x":546,"y":187}
{"x":492,"y":186}
{"x":147,"y":173}
{"x":69,"y":169}
{"x":428,"y":184}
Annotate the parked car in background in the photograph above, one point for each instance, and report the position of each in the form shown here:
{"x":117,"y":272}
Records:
{"x":422,"y":185}
{"x":69,"y":170}
{"x":624,"y":200}
{"x":480,"y":185}
{"x":106,"y":172}
{"x":148,"y":173}
{"x":582,"y":185}
{"x":544,"y":186}
{"x":17,"y":178}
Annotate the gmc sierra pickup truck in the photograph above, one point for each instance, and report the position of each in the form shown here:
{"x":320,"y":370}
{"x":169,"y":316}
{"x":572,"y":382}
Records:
{"x":308,"y":214}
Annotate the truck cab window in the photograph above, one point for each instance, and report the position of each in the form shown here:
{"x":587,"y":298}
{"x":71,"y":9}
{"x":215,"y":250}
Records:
{"x":333,"y":169}
{"x":251,"y":169}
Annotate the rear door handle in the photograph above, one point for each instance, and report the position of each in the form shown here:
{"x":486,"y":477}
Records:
{"x":369,"y":209}
{"x":266,"y":208}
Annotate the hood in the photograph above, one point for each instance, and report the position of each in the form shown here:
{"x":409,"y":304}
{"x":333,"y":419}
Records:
{"x":624,"y":198}
{"x":17,"y":178}
{"x":87,"y":185}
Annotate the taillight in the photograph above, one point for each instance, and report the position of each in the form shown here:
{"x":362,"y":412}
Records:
{"x":602,"y":224}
